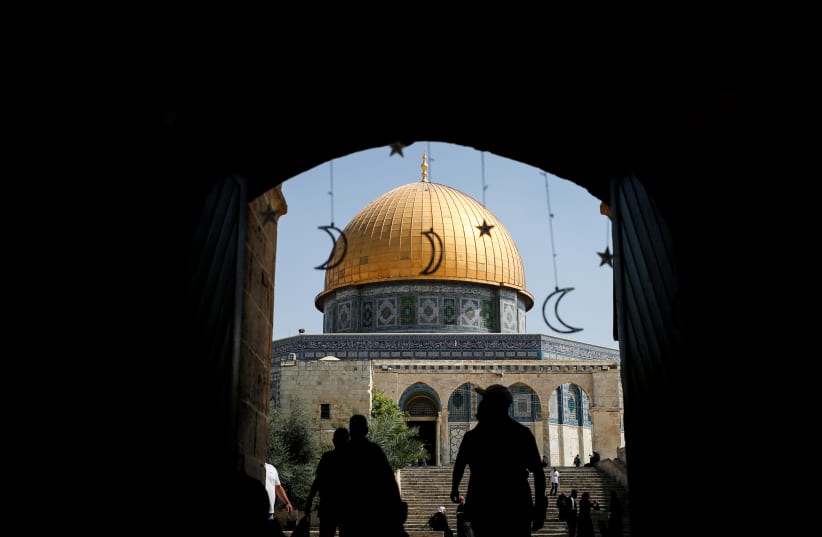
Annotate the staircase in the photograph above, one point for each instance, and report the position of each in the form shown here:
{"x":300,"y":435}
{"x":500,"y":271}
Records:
{"x":427,"y":487}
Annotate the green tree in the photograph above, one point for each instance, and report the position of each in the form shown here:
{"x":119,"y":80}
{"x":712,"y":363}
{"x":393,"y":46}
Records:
{"x":381,"y":404}
{"x":388,"y":429}
{"x":294,"y":449}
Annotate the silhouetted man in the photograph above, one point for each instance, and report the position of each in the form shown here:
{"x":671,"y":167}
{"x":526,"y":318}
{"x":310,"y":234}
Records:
{"x":500,"y":452}
{"x":371,"y":505}
{"x":571,"y":517}
{"x":328,"y":483}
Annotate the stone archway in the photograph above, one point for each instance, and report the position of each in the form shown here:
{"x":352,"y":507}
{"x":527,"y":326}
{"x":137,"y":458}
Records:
{"x":423,"y":416}
{"x":270,"y":116}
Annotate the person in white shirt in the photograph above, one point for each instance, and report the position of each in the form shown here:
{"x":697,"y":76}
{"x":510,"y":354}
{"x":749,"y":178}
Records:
{"x":275,"y":489}
{"x":554,"y":482}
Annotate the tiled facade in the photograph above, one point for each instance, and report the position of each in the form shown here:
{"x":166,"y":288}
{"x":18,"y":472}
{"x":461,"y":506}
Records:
{"x":424,"y":307}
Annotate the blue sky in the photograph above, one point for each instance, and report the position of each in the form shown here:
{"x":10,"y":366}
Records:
{"x":514,"y":192}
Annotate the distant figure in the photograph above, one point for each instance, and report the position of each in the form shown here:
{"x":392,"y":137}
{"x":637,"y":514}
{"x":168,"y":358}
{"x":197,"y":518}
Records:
{"x":585,"y":524}
{"x":463,"y":524}
{"x":329,"y":484}
{"x":545,"y":461}
{"x":275,"y":490}
{"x":563,"y":505}
{"x":439,"y":522}
{"x":554,"y":482}
{"x":500,"y":452}
{"x":593,"y":459}
{"x":571,"y":514}
{"x":370,"y":505}
{"x":577,"y":462}
{"x":615,"y":514}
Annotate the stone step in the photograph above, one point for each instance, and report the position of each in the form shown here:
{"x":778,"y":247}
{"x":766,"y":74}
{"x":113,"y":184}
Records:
{"x":426,"y":488}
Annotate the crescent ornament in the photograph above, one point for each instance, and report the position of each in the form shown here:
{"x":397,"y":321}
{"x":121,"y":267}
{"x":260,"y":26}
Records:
{"x":436,"y":256}
{"x":559,"y":293}
{"x":339,"y":258}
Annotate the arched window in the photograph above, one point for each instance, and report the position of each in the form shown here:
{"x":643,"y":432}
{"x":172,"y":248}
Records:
{"x":462,"y":405}
{"x":526,"y":406}
{"x":420,"y":406}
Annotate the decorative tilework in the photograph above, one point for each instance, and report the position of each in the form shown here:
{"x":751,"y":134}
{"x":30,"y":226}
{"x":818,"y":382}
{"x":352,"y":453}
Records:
{"x":428,"y":310}
{"x":449,"y":311}
{"x":509,"y":317}
{"x":469,"y":313}
{"x":487,"y":314}
{"x":387,"y":312}
{"x":522,"y":405}
{"x":455,"y":435}
{"x":328,"y":320}
{"x":344,"y":316}
{"x":533,"y":345}
{"x":573,"y":415}
{"x":407,"y":310}
{"x":368,"y":314}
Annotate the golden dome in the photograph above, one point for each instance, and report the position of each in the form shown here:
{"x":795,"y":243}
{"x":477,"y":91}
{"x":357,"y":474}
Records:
{"x":391,"y":239}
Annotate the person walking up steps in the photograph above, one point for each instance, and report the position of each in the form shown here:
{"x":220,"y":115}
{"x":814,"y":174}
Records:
{"x":500,"y":453}
{"x":370,"y":504}
{"x":329,"y":484}
{"x":571,"y":514}
{"x":554,"y":482}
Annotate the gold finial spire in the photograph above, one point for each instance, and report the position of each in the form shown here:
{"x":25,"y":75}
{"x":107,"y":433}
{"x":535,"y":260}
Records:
{"x":424,"y":167}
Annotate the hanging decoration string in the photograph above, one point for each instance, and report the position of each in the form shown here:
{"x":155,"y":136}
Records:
{"x":484,"y":186}
{"x":337,"y":253}
{"x":331,"y":191}
{"x":551,"y":230}
{"x":430,"y":160}
{"x":559,"y":293}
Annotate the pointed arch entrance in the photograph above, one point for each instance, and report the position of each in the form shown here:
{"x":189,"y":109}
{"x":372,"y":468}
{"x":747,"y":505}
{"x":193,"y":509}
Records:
{"x":422,"y":405}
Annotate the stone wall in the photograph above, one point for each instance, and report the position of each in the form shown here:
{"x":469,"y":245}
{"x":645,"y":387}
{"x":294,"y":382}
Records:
{"x":257,"y":328}
{"x":344,"y":385}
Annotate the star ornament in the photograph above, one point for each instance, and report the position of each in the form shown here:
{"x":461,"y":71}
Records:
{"x":606,"y":257}
{"x":269,"y":215}
{"x":485,"y":228}
{"x":397,"y":147}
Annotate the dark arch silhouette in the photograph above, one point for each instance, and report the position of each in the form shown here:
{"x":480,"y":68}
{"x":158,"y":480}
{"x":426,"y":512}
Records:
{"x":655,"y":140}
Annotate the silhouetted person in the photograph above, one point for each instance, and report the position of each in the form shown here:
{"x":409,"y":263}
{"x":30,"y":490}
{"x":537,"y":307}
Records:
{"x":563,"y":504}
{"x":577,"y":461}
{"x":463,"y":524}
{"x":439,"y":522}
{"x":500,"y":452}
{"x":585,"y":524}
{"x":593,"y":459}
{"x":370,"y":504}
{"x":328,"y":483}
{"x":571,"y":514}
{"x":615,"y":513}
